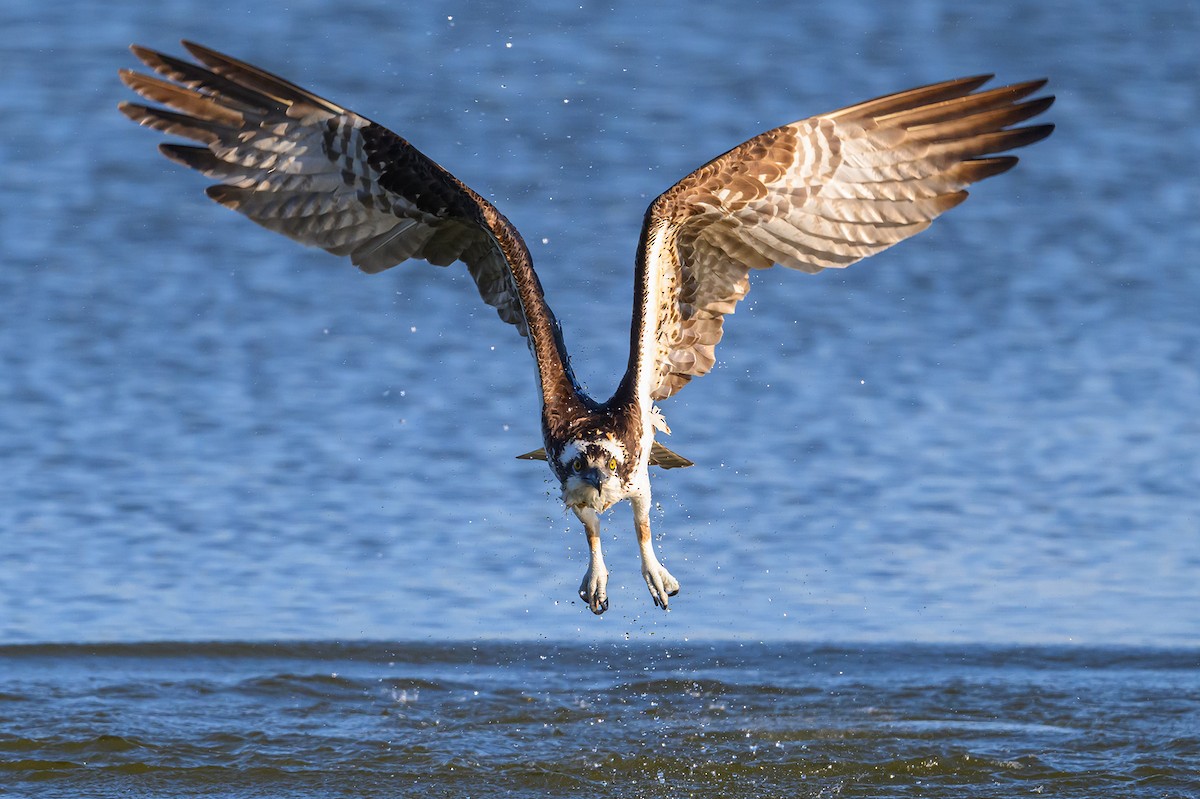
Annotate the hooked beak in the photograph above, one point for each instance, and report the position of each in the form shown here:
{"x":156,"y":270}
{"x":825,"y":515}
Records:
{"x":593,"y":478}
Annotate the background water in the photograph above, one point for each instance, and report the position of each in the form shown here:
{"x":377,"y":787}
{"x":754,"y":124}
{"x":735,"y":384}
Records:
{"x":988,"y":434}
{"x":984,"y":438}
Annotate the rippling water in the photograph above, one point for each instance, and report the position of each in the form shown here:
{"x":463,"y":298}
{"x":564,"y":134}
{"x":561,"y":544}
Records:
{"x":619,"y":720}
{"x":969,"y":452}
{"x":988,"y":434}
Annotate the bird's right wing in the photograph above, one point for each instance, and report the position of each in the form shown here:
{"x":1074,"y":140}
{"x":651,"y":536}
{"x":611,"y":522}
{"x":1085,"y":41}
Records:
{"x":823,"y":192}
{"x":327,"y":177}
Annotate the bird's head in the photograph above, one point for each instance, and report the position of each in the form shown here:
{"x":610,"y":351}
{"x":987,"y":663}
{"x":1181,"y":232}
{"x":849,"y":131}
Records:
{"x":592,"y":472}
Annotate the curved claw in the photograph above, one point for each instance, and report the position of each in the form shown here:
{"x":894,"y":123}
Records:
{"x":661,"y":584}
{"x":593,"y":590}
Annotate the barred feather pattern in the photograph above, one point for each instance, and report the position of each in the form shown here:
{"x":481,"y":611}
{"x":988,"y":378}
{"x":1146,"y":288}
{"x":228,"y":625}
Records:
{"x":322,"y":175}
{"x":327,"y":177}
{"x":823,"y":192}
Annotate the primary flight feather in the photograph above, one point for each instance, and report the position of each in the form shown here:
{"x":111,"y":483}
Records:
{"x":823,"y":192}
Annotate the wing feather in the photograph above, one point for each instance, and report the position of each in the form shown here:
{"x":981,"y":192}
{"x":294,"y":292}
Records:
{"x":820,"y":193}
{"x":324,"y":176}
{"x":318,"y":173}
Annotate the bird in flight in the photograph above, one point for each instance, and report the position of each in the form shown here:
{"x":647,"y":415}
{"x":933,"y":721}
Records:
{"x":823,"y":192}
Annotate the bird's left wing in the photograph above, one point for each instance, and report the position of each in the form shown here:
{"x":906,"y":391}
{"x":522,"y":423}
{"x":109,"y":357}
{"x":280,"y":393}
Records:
{"x":822,"y":192}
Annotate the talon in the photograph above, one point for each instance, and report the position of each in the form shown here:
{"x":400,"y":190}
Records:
{"x":662,"y":586}
{"x":592,"y":590}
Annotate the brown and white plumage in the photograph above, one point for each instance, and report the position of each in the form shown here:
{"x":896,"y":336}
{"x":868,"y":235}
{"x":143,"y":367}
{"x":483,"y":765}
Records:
{"x":318,"y":173}
{"x":823,"y":192}
{"x":819,"y":193}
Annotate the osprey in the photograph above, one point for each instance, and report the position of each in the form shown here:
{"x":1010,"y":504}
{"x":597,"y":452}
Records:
{"x":823,"y":192}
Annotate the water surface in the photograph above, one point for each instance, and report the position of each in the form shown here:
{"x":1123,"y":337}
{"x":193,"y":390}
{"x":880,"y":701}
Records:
{"x":613,"y":720}
{"x":970,"y":464}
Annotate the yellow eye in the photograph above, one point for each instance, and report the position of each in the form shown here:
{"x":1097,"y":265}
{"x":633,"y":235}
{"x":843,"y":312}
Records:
{"x":577,"y":464}
{"x":612,"y":464}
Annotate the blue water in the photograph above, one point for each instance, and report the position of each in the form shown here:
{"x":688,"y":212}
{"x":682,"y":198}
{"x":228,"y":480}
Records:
{"x":989,"y":434}
{"x":605,"y":719}
{"x":261,"y":528}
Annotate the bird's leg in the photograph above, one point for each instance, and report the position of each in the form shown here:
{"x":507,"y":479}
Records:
{"x":594,"y":588}
{"x":658,"y":579}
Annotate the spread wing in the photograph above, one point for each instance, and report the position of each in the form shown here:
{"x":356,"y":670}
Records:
{"x":323,"y":175}
{"x":822,"y":192}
